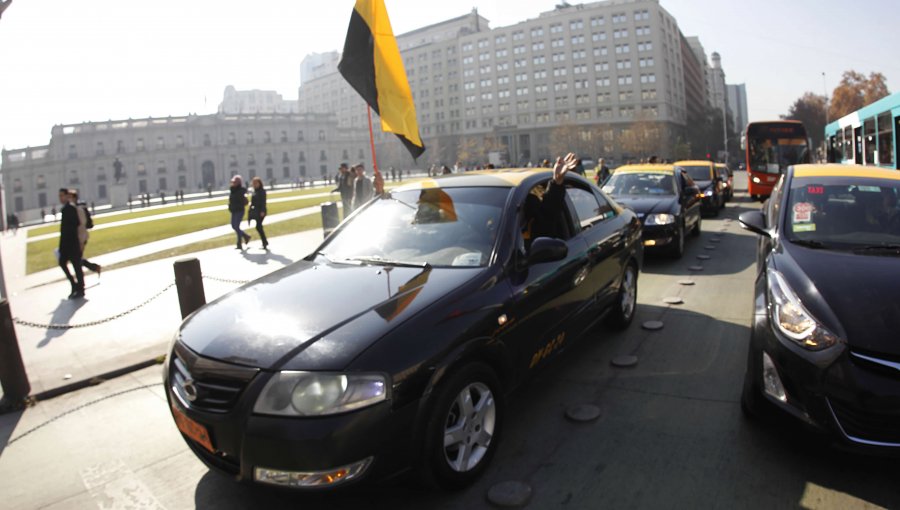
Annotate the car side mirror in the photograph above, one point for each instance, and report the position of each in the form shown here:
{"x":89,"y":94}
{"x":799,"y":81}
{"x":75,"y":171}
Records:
{"x":754,"y":221}
{"x":547,"y":249}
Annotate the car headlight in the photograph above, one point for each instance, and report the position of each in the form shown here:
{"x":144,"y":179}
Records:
{"x":660,"y":219}
{"x":792,"y":319}
{"x":756,"y":180}
{"x":708,"y":193}
{"x":319,"y":394}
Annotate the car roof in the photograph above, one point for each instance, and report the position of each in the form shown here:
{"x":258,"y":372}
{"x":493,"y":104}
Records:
{"x":504,"y":178}
{"x":839,"y":170}
{"x":645,"y":168}
{"x":693,"y":162}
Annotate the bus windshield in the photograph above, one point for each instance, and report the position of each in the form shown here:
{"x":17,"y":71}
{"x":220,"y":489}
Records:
{"x":774,"y":155}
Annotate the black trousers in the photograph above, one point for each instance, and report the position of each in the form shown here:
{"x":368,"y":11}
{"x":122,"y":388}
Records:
{"x":75,"y":258}
{"x":262,"y":233}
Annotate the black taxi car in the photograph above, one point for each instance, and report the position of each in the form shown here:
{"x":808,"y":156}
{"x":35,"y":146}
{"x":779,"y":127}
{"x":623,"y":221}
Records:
{"x":706,"y":177}
{"x":667,"y":202}
{"x":824,"y":345}
{"x":393,"y":345}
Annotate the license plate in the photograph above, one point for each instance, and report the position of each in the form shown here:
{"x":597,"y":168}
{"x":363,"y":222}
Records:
{"x":192,"y":429}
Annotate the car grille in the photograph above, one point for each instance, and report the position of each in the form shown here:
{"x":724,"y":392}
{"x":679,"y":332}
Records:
{"x":864,"y":426}
{"x":204,"y":384}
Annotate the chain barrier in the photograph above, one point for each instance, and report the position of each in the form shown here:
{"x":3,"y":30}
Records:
{"x":225,"y":280}
{"x":22,"y":322}
{"x":32,"y":324}
{"x":82,"y":406}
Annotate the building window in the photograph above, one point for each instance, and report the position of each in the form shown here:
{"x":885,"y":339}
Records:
{"x":72,"y":152}
{"x":120,"y":147}
{"x":139,"y":145}
{"x":160,"y":143}
{"x":181,"y":166}
{"x":323,"y":156}
{"x":284,"y":137}
{"x":179,"y":141}
{"x":42,"y":200}
{"x":885,"y":139}
{"x":141,"y":170}
{"x":100,"y":150}
{"x":20,"y":204}
{"x":267,"y":137}
{"x":249,"y":137}
{"x":17,"y":185}
{"x":300,"y":135}
{"x":182,"y":181}
{"x":206,"y":140}
{"x":101,"y":191}
{"x":302,"y":156}
{"x":321,"y":135}
{"x":286,"y":172}
{"x":41,"y":182}
{"x":142,"y":186}
{"x":162,"y":184}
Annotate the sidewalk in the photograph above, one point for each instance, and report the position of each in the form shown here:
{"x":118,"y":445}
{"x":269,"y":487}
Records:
{"x":56,"y":358}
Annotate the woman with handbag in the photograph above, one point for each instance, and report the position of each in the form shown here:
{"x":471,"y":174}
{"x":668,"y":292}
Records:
{"x":258,"y":209}
{"x":237,"y":200}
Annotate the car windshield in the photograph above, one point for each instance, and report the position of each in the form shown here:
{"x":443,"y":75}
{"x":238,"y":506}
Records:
{"x":434,"y":226}
{"x":698,"y":173}
{"x":650,"y":183}
{"x":848,"y":213}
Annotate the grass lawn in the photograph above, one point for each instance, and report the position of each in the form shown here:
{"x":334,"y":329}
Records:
{"x":100,"y":219}
{"x":40,"y":253}
{"x":293,"y":226}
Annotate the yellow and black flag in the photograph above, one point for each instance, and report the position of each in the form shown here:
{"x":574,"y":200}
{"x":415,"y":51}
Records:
{"x":372,"y":65}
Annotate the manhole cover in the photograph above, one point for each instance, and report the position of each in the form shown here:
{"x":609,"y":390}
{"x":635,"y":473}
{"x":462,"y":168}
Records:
{"x":696,"y":268}
{"x":509,"y":494}
{"x":709,"y":247}
{"x":703,"y":257}
{"x":625,"y":361}
{"x":583,"y":413}
{"x":674,"y":300}
{"x":652,"y":325}
{"x":685,"y":282}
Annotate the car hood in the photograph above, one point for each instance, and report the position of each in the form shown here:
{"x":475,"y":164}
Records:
{"x":322,"y":314}
{"x":643,"y":204}
{"x":859,"y":291}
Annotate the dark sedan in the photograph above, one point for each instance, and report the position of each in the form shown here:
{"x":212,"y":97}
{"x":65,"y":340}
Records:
{"x":727,"y":176}
{"x":393,"y":345}
{"x":667,"y":202}
{"x":824,"y":345}
{"x":707,"y":179}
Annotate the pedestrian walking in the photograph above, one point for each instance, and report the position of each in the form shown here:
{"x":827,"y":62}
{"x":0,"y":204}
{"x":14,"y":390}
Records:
{"x":345,"y":179}
{"x":362,"y":188}
{"x":258,"y":209}
{"x":43,"y":215}
{"x":15,"y":223}
{"x":237,"y":201}
{"x":85,"y":222}
{"x":53,"y":212}
{"x":69,"y":248}
{"x":602,"y":172}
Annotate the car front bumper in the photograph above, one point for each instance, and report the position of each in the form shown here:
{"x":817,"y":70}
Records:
{"x":657,"y":236}
{"x":838,"y":390}
{"x":375,"y":439}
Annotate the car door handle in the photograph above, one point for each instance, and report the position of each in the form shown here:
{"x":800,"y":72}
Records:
{"x":581,"y":276}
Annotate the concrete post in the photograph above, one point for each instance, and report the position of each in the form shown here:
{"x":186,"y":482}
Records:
{"x":330,"y":217}
{"x":12,"y":370}
{"x":189,"y":282}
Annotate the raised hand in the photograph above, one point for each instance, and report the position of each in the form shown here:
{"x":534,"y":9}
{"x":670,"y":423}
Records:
{"x":564,"y":166}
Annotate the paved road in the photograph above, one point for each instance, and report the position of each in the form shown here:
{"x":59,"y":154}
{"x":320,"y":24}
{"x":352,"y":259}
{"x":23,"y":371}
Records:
{"x":670,"y":435}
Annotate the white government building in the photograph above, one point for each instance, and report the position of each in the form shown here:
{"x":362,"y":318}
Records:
{"x":596,"y":68}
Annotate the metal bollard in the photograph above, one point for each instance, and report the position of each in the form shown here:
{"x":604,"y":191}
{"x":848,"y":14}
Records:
{"x":329,"y":217}
{"x":13,"y":378}
{"x":189,"y":283}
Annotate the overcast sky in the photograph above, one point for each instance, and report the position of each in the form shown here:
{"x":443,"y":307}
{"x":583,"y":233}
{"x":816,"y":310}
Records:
{"x":68,"y":61}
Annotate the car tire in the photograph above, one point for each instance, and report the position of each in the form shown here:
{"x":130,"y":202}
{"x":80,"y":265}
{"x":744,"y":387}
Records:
{"x":696,"y":231}
{"x":467,"y":411}
{"x":625,"y":304}
{"x":676,"y":251}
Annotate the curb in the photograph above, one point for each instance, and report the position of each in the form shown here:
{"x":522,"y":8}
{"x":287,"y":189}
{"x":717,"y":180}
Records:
{"x":79,"y":385}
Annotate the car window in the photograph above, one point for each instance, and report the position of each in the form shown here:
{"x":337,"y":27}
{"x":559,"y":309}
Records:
{"x":698,"y":172}
{"x":589,"y":208}
{"x":773,"y":205}
{"x":648,"y":183}
{"x":438,"y":226}
{"x":844,"y":214}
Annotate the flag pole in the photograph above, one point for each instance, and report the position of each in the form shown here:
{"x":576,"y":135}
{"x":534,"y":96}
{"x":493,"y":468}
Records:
{"x":372,"y":141}
{"x":377,"y":179}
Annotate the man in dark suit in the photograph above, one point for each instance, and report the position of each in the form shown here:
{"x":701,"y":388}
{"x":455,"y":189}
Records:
{"x":69,"y":246}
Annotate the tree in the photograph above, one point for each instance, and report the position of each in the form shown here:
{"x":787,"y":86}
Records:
{"x":855,"y":91}
{"x":810,"y":110}
{"x":468,"y":150}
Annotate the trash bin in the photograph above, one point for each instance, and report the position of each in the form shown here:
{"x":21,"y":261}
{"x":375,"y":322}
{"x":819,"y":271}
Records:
{"x":329,"y":217}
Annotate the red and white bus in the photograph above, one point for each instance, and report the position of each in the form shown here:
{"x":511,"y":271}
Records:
{"x":769,"y":148}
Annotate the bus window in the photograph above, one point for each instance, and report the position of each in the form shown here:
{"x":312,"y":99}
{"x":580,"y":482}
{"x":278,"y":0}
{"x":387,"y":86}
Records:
{"x":869,"y":140}
{"x":848,"y":143}
{"x":885,"y":139}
